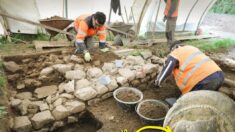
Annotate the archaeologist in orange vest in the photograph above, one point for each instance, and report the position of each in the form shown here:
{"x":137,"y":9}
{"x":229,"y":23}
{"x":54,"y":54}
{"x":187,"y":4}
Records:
{"x":192,"y":70}
{"x":88,"y":25}
{"x":170,"y":16}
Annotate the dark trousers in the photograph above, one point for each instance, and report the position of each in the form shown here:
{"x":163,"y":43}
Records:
{"x":170,"y":30}
{"x":212,"y":82}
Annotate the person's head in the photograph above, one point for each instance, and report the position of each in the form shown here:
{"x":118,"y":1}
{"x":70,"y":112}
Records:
{"x":99,"y":19}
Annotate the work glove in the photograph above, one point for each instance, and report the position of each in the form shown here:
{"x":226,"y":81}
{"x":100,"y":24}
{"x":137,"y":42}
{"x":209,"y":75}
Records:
{"x":164,"y":18}
{"x":104,"y":50}
{"x":87,"y":56}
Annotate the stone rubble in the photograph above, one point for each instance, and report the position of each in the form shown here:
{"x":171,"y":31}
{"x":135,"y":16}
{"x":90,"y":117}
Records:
{"x":53,"y":106}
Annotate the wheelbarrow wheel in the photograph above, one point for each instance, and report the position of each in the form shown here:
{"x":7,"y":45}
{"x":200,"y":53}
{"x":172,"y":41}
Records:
{"x":71,"y":30}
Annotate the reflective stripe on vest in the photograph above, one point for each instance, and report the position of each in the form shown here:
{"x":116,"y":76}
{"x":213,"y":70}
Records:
{"x":203,"y":61}
{"x":187,"y":61}
{"x":79,"y":31}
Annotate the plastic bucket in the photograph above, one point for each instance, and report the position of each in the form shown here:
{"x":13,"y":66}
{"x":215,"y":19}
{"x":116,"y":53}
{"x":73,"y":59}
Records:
{"x":127,"y":106}
{"x":150,"y":121}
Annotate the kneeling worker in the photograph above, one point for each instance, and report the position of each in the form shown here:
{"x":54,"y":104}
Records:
{"x":192,"y":70}
{"x":86,"y":27}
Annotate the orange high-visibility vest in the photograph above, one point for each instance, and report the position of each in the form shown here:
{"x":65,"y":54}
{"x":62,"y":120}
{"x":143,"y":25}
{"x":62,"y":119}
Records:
{"x":83,"y":30}
{"x":194,"y":66}
{"x":170,"y":6}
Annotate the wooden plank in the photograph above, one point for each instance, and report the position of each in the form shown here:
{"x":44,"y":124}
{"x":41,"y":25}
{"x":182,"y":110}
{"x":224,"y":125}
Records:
{"x":39,"y":45}
{"x":154,"y":41}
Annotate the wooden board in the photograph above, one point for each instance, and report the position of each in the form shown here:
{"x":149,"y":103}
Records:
{"x":39,"y":45}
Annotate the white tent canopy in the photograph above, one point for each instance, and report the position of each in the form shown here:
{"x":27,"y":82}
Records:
{"x":146,"y":14}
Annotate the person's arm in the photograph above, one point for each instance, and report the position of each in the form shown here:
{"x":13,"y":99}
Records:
{"x":173,"y":7}
{"x":170,"y":64}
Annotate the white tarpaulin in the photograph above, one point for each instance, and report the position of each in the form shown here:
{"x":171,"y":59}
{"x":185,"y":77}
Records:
{"x":145,"y":12}
{"x":21,"y":8}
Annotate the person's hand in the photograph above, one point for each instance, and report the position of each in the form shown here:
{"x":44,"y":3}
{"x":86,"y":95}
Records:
{"x":87,"y":56}
{"x":104,"y":50}
{"x":164,"y":18}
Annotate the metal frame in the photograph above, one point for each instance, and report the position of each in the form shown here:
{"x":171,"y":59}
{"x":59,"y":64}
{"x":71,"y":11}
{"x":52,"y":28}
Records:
{"x":189,"y":14}
{"x":209,"y":5}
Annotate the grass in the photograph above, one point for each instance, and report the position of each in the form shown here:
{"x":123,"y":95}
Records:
{"x":2,"y":80}
{"x":212,"y":45}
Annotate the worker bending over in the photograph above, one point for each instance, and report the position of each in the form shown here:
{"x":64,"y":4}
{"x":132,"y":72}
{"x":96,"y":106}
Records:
{"x":87,"y":26}
{"x":192,"y":70}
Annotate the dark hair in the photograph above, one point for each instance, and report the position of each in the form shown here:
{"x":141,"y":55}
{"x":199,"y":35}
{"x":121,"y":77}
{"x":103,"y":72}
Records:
{"x":100,"y":17}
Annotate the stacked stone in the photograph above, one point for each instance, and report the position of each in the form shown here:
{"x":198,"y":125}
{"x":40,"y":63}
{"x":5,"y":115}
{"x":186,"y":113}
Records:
{"x":53,"y":106}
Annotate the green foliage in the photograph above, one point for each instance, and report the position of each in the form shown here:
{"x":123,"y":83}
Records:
{"x":2,"y":79}
{"x":213,"y":44}
{"x":2,"y":111}
{"x":224,"y":7}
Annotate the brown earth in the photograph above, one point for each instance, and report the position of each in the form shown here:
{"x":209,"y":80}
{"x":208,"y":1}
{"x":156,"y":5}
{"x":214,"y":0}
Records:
{"x":152,"y":110}
{"x":128,"y":96}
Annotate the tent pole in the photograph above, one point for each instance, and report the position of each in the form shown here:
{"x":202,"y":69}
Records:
{"x":200,"y":20}
{"x":189,"y":14}
{"x":126,"y":15}
{"x":155,"y":21}
{"x":141,"y":16}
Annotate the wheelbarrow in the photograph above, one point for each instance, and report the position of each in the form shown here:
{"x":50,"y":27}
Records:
{"x":55,"y":22}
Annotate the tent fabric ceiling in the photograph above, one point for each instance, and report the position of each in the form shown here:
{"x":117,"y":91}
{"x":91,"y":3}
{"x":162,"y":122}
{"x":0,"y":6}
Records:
{"x":147,"y":12}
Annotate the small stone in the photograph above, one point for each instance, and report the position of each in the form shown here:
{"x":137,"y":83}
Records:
{"x":41,"y":119}
{"x":72,"y":119}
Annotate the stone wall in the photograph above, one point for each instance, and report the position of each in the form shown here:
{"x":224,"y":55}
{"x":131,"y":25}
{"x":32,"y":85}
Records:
{"x":48,"y":107}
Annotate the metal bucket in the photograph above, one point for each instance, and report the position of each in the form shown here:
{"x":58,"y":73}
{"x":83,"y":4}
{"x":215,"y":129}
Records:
{"x":150,"y":121}
{"x":127,"y":106}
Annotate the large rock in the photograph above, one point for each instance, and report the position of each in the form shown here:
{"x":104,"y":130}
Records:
{"x":62,"y":68}
{"x":58,"y":102}
{"x":76,"y":74}
{"x":45,"y":91}
{"x":79,"y":67}
{"x":127,"y":73}
{"x":24,"y":95}
{"x":67,"y":96}
{"x":134,"y":60}
{"x":15,"y":102}
{"x":22,"y":124}
{"x":60,"y":112}
{"x":94,"y":72}
{"x":149,"y":68}
{"x":75,"y":106}
{"x":32,"y":83}
{"x":43,"y":107}
{"x":41,"y":119}
{"x":109,"y":68}
{"x":82,"y":83}
{"x":11,"y":66}
{"x":69,"y":87}
{"x":76,"y":59}
{"x":100,"y":88}
{"x":112,"y":85}
{"x":85,"y":94}
{"x":121,"y":80}
{"x":46,"y":71}
{"x":146,"y":54}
